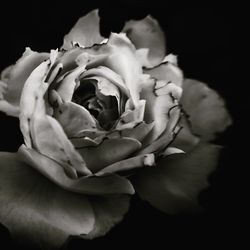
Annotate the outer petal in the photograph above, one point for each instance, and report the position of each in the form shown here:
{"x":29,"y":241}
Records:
{"x":14,"y":78}
{"x":34,"y":90}
{"x":108,"y":212}
{"x":86,"y":32}
{"x":174,"y":185}
{"x":90,"y":185}
{"x":206,"y":109}
{"x":146,"y":33}
{"x":35,"y":210}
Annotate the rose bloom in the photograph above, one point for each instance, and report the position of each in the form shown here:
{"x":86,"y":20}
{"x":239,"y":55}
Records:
{"x":101,"y":120}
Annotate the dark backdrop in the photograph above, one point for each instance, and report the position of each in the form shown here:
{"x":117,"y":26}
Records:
{"x":203,"y":39}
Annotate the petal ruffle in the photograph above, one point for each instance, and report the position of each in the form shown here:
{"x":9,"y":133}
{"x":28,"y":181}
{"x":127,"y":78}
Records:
{"x":205,"y":108}
{"x":167,"y":72}
{"x":174,"y":184}
{"x":38,"y":212}
{"x":90,"y":185}
{"x":160,"y":98}
{"x":14,"y":78}
{"x":147,"y":33}
{"x":86,"y":32}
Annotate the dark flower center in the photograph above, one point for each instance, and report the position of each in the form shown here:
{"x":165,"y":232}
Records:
{"x":104,"y":108}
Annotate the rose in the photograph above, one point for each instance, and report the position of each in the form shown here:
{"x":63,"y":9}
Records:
{"x":93,"y":113}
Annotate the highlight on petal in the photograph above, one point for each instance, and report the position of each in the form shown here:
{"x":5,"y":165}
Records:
{"x":89,"y":185}
{"x":108,"y":212}
{"x":147,"y":33}
{"x":86,"y":32}
{"x":14,"y":78}
{"x":205,"y":108}
{"x":37,"y":212}
{"x":174,"y":184}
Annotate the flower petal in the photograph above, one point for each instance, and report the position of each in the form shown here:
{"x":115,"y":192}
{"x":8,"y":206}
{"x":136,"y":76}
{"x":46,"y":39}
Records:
{"x":109,"y":74}
{"x":90,"y":185}
{"x":74,"y":118}
{"x":86,"y":32}
{"x":116,"y":54}
{"x":69,"y":83}
{"x":34,"y":90}
{"x":185,"y":139}
{"x":108,"y":151}
{"x":147,"y":33}
{"x":174,"y":185}
{"x":15,"y":76}
{"x":167,"y":72}
{"x":38,"y":212}
{"x":108,"y":212}
{"x":60,"y":149}
{"x":161,"y":98}
{"x":206,"y":109}
{"x":128,"y":164}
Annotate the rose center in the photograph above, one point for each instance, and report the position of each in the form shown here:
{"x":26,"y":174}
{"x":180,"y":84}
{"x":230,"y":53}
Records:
{"x":103,"y":107}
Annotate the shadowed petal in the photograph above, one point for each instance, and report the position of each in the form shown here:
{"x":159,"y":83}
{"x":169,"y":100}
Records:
{"x":36,"y":211}
{"x":146,"y":33}
{"x":206,"y":109}
{"x":108,"y":212}
{"x":112,"y":184}
{"x":86,"y":32}
{"x":174,"y":184}
{"x":185,"y":139}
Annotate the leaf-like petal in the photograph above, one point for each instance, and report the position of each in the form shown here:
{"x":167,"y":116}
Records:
{"x":174,"y":184}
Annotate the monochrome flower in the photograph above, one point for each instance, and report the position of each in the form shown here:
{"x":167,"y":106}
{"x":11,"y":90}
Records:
{"x":103,"y":118}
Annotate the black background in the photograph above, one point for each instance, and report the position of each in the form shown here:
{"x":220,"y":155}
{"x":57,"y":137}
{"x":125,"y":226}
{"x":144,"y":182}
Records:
{"x":204,"y":40}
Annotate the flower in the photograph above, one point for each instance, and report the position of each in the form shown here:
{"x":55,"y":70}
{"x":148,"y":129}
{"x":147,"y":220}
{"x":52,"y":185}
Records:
{"x":102,"y":119}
